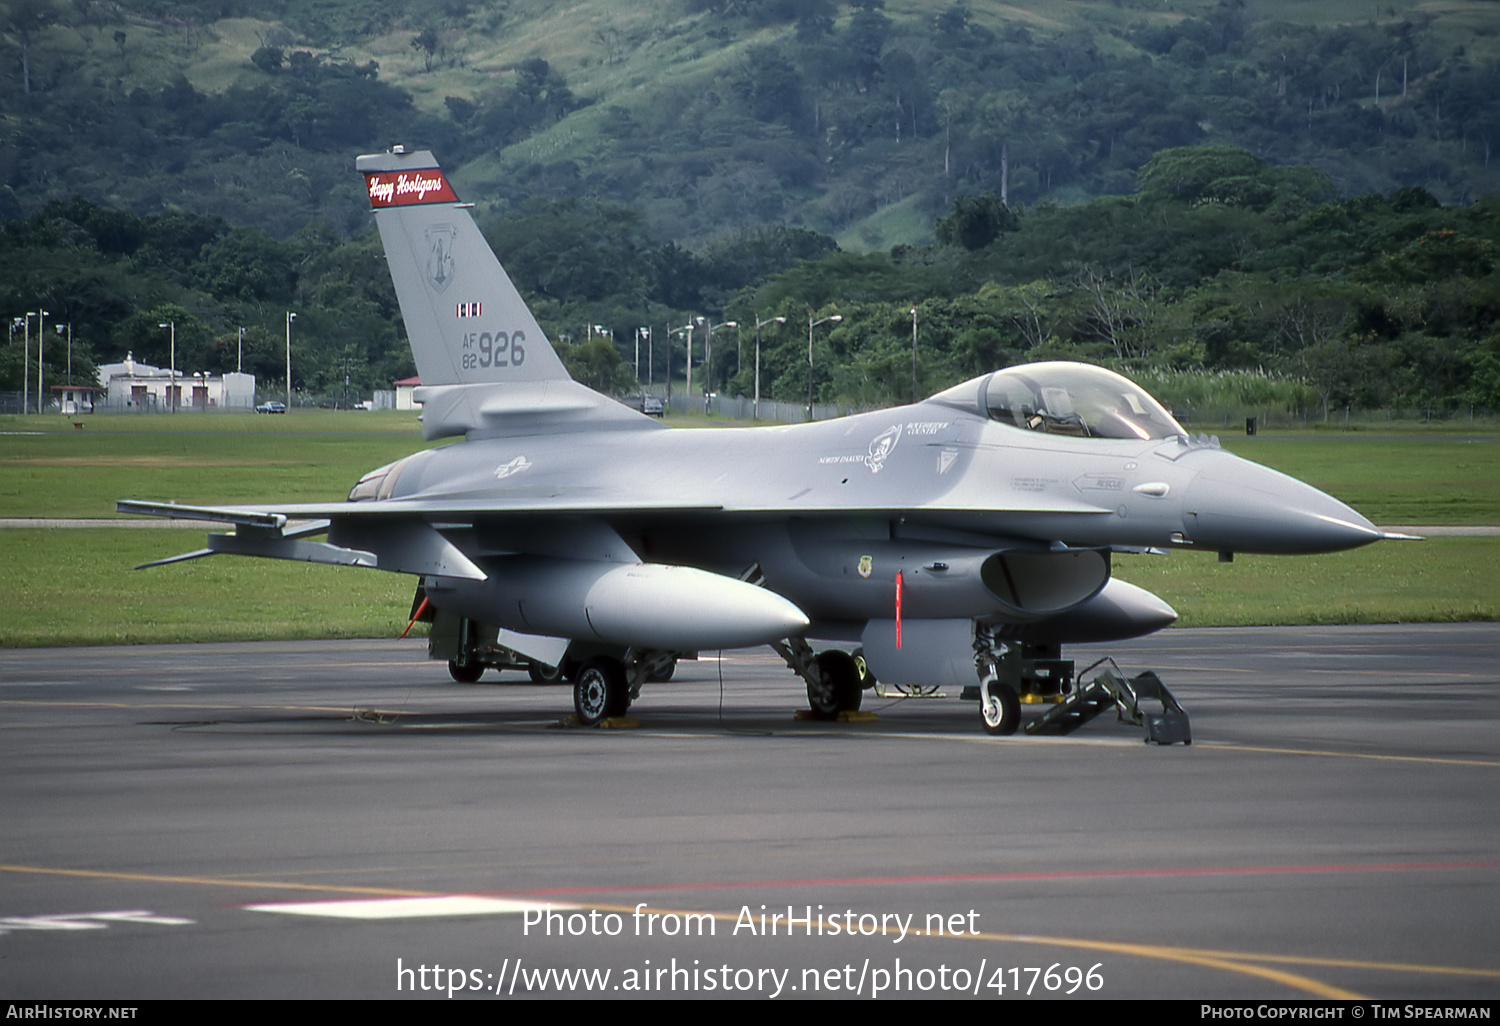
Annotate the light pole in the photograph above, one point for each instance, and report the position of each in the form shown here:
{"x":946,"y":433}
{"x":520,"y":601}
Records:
{"x":171,"y":366}
{"x":239,"y":353}
{"x":758,"y":325}
{"x":26,"y":367}
{"x":15,"y":322}
{"x":707,"y":341}
{"x":687,"y":332}
{"x":709,"y":327}
{"x":913,"y":354}
{"x":811,"y":324}
{"x":69,"y":326}
{"x":41,"y":345}
{"x":290,"y":317}
{"x":645,"y":332}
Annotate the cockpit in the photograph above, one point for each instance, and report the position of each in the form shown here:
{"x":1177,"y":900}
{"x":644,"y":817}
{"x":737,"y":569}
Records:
{"x":1072,"y":399}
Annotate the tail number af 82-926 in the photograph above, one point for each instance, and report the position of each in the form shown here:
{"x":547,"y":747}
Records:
{"x":494,"y":349}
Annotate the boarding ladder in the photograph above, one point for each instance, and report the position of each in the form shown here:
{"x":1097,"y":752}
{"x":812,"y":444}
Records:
{"x":1109,"y":687}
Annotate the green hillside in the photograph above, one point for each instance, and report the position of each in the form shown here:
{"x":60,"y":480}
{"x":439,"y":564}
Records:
{"x":1252,"y":188}
{"x":862,"y":119}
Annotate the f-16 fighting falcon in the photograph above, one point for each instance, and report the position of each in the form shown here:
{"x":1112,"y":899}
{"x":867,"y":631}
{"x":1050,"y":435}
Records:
{"x":960,"y":541}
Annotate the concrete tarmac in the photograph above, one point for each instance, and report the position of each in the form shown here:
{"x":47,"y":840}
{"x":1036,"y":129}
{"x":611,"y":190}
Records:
{"x":340,"y":819}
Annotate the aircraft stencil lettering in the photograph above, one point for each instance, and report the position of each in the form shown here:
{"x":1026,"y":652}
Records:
{"x":494,"y":349}
{"x":407,"y":188}
{"x":606,"y":570}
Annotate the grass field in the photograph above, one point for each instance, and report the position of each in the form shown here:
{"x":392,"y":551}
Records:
{"x":76,"y":587}
{"x":314,"y":455}
{"x":1405,"y":479}
{"x":1437,"y":580}
{"x":70,"y":587}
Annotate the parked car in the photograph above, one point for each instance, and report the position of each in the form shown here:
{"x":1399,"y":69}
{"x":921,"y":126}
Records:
{"x":271,"y":407}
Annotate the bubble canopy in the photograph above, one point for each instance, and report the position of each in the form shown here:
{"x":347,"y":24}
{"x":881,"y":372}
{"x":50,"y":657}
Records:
{"x":1074,"y":399}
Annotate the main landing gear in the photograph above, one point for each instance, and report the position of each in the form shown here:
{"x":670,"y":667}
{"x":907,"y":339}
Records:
{"x":834,"y":682}
{"x":600,"y":691}
{"x":604,"y":685}
{"x":465,"y":672}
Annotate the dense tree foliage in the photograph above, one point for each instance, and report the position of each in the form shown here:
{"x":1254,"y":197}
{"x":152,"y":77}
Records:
{"x":1218,"y":263}
{"x":841,"y":117}
{"x":116,"y":278}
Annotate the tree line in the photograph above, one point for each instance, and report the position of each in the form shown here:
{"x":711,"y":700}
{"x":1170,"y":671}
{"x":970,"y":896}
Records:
{"x":1218,"y":262}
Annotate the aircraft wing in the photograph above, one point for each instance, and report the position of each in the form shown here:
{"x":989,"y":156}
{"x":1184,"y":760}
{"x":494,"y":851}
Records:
{"x":402,"y":535}
{"x":276,"y":516}
{"x":396,"y":535}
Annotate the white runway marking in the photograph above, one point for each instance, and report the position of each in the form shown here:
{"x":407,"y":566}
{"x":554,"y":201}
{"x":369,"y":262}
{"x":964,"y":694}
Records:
{"x":87,"y":921}
{"x":407,"y":908}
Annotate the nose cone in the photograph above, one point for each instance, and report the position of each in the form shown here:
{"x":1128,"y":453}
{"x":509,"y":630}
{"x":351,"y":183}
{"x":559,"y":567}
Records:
{"x":1238,"y":506}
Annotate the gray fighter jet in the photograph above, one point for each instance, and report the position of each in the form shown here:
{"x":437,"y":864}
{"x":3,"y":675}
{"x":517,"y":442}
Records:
{"x":959,"y":541}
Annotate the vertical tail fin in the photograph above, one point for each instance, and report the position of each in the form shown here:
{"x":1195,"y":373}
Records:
{"x":466,"y":322}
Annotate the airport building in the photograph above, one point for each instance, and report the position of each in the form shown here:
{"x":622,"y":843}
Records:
{"x":405,"y":389}
{"x":135,"y":387}
{"x":72,"y":400}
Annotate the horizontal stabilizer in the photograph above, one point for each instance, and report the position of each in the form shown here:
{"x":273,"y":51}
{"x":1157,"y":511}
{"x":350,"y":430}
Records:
{"x":216,"y":514}
{"x":401,"y":544}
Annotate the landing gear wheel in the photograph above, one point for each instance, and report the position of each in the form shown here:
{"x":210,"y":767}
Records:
{"x":600,"y":691}
{"x":541,"y":673}
{"x":662,"y":675}
{"x":1001,"y":709}
{"x":839,"y":689}
{"x":465,"y":673}
{"x":866,"y":678}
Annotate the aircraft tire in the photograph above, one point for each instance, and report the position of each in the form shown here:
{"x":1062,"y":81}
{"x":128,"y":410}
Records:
{"x":600,"y":691}
{"x":541,"y":673}
{"x":866,"y":678}
{"x":840,"y":691}
{"x":663,"y":675}
{"x":1001,"y":709}
{"x":465,"y":673}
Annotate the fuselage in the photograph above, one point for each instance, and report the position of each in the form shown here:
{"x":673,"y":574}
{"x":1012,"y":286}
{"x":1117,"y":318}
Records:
{"x":981,"y":518}
{"x":921,"y":467}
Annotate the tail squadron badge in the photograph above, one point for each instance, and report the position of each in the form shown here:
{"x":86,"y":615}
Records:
{"x":440,"y":263}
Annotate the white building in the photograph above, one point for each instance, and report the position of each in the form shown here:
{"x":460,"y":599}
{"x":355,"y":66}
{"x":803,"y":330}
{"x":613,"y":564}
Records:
{"x":404,"y":389}
{"x":139,"y":387}
{"x":74,"y":399}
